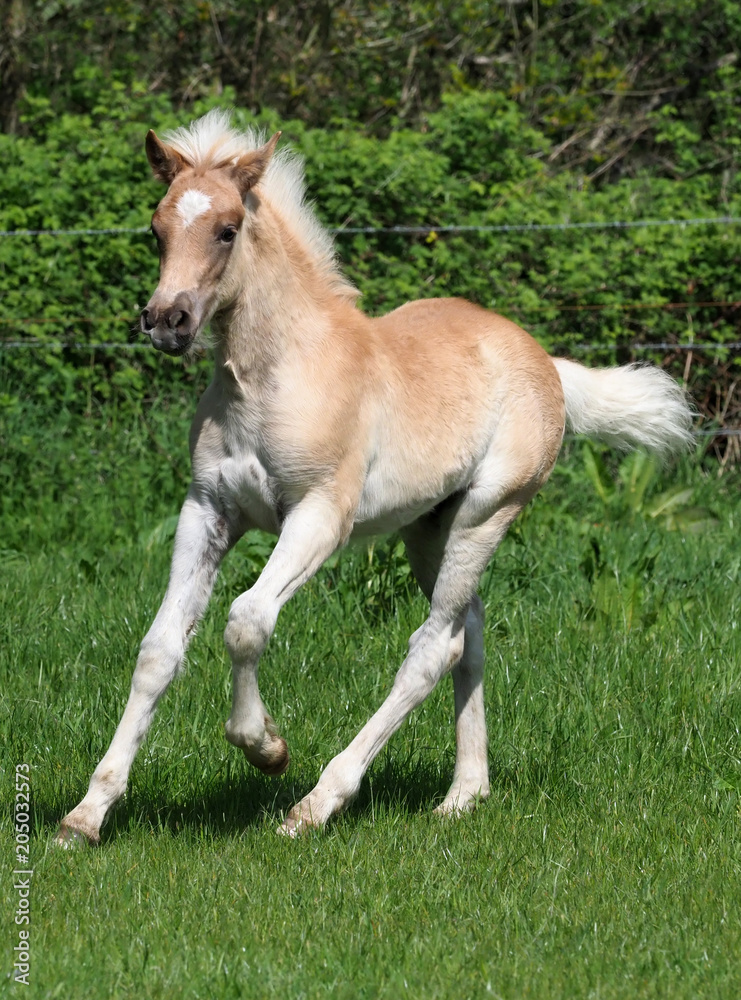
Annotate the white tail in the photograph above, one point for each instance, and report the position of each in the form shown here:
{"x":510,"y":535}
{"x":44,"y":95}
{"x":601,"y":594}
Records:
{"x":631,"y":406}
{"x":440,"y":419}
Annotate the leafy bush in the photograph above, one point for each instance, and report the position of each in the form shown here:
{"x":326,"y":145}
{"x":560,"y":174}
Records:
{"x":478,"y":163}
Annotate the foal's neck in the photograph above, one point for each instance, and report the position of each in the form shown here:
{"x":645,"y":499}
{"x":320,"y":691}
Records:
{"x":284,"y":306}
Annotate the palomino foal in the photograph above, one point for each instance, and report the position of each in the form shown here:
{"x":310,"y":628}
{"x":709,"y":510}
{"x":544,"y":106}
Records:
{"x":440,"y":420}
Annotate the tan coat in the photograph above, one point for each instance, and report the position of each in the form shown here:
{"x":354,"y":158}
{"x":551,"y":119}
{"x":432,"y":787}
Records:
{"x":440,"y":420}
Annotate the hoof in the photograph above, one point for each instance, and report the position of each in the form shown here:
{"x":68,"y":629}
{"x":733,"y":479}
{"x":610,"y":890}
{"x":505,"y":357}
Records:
{"x":290,"y":828}
{"x":295,"y":826}
{"x":70,"y":839}
{"x":274,"y":762}
{"x":460,"y":803}
{"x":268,"y":752}
{"x":299,"y":821}
{"x":455,"y":811}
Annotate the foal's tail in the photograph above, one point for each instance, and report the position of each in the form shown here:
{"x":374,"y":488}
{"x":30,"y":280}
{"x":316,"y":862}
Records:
{"x":628,"y":407}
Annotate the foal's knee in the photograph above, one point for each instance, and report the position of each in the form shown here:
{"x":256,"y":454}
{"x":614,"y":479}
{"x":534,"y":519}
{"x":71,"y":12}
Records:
{"x":248,"y":628}
{"x":455,"y":649}
{"x":156,"y":665}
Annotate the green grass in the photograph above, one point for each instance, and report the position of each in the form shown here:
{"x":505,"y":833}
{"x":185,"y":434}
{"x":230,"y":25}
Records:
{"x":606,"y":863}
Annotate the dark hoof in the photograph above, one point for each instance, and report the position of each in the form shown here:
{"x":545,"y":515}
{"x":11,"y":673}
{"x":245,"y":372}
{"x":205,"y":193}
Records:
{"x":277,"y":763}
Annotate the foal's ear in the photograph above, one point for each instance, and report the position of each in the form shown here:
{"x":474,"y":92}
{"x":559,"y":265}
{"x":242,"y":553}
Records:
{"x":166,"y":162}
{"x":250,"y":167}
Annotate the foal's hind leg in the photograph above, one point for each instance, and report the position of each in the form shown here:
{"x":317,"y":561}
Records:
{"x":425,"y":542}
{"x":471,"y":774}
{"x":434,"y":649}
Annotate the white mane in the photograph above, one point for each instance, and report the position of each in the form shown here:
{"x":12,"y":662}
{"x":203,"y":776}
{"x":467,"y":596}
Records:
{"x":211,"y":142}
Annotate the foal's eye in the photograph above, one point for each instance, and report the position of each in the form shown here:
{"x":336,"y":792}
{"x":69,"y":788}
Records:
{"x":228,"y":235}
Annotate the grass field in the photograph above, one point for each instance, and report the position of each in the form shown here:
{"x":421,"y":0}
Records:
{"x":607,"y":862}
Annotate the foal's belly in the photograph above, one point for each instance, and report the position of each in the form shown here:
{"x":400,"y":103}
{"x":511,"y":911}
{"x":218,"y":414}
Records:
{"x":391,"y":499}
{"x":384,"y":522}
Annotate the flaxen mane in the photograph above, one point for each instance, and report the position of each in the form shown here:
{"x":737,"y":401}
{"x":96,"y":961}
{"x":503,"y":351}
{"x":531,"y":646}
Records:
{"x":212,"y":142}
{"x":440,"y":420}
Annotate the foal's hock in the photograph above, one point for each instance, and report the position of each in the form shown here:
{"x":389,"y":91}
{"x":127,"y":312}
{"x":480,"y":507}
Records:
{"x":440,"y":420}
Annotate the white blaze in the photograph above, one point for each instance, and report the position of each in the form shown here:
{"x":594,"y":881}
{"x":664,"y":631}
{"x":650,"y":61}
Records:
{"x":192,"y":204}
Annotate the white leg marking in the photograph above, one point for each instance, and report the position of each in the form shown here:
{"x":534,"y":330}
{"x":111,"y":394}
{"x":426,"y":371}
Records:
{"x":425,"y":543}
{"x":471,"y":774}
{"x":434,"y":649}
{"x":310,"y":535}
{"x":201,"y":541}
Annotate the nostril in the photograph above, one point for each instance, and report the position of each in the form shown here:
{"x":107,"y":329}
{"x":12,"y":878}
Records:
{"x":177,"y":319}
{"x":146,"y":325}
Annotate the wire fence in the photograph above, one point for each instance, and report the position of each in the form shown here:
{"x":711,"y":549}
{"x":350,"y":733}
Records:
{"x":659,"y":347}
{"x":93,"y":347}
{"x":428,"y":231}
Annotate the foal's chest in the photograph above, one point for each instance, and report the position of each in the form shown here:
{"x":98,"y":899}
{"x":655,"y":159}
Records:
{"x":246,"y":492}
{"x":228,"y":446}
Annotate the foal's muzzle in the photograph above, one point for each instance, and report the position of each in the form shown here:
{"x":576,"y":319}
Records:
{"x":173,"y":327}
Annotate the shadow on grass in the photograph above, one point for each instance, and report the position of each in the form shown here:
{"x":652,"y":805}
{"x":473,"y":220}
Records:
{"x":238,"y":798}
{"x":411,"y":787}
{"x":235,"y":798}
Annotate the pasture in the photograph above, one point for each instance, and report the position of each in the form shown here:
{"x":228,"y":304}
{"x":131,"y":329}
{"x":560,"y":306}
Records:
{"x":606,"y":862}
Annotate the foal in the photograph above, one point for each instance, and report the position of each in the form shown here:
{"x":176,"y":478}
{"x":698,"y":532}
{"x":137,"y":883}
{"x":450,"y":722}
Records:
{"x":440,"y":420}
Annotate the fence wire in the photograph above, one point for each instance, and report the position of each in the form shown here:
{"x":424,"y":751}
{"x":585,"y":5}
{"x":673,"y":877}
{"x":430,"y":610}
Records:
{"x":83,"y":345}
{"x":426,"y":230}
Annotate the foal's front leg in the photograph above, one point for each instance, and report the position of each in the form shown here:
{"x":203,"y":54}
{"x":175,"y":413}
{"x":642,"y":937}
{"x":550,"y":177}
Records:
{"x":311,"y":533}
{"x":202,"y":539}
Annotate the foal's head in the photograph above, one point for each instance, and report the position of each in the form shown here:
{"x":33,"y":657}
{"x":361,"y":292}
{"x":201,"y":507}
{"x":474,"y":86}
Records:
{"x":199,"y":227}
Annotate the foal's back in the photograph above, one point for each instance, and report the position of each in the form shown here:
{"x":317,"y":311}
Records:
{"x":452,"y":347}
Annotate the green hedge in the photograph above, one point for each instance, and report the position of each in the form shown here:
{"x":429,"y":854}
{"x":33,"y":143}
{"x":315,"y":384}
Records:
{"x":476,"y":163}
